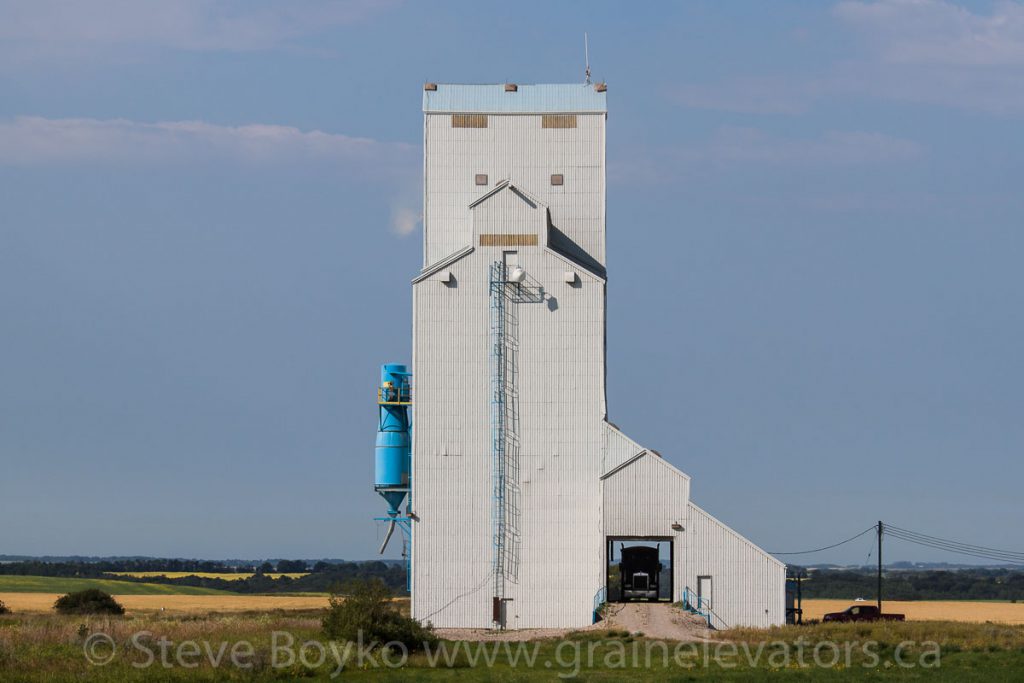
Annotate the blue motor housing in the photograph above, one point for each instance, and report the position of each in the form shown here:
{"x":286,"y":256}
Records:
{"x":394,"y":442}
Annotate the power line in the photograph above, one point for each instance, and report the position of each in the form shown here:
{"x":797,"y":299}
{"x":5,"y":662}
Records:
{"x":994,"y":558}
{"x":929,"y":541}
{"x":828,"y":547}
{"x":954,"y":547}
{"x":961,"y":551}
{"x":959,"y":544}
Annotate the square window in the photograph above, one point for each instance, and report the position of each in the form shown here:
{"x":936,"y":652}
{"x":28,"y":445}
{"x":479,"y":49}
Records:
{"x":558,"y":121}
{"x":557,"y":179}
{"x":469,"y":120}
{"x":481,"y":178}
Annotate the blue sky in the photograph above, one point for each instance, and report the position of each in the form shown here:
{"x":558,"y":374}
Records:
{"x":209,"y":220}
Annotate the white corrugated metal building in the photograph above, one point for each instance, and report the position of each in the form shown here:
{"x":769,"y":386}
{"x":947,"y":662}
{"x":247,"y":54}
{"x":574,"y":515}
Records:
{"x":518,"y":479}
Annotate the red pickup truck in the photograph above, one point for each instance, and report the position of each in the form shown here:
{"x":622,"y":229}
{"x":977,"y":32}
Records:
{"x":862,"y":613}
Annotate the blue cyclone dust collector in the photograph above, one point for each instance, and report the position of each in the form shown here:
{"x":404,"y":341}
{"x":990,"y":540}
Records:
{"x":394,"y":450}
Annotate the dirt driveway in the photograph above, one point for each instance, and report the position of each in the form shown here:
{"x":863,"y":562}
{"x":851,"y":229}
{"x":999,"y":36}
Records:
{"x":660,"y":621}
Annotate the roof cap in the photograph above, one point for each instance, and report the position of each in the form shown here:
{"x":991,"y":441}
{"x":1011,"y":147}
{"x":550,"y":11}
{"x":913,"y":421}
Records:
{"x":544,"y":98}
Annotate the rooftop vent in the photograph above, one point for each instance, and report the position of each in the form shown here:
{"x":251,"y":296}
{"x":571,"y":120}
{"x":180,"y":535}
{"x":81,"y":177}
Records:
{"x":430,"y":86}
{"x":511,"y":87}
{"x":600,"y":87}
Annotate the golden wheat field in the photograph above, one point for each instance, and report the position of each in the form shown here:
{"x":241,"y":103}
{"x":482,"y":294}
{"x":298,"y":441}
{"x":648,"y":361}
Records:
{"x":177,"y":604}
{"x":930,"y":610}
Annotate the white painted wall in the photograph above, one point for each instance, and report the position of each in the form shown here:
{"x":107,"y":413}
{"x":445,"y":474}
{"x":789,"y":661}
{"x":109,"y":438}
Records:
{"x":580,"y":478}
{"x":748,"y":583}
{"x":645,"y":497}
{"x":513,"y":147}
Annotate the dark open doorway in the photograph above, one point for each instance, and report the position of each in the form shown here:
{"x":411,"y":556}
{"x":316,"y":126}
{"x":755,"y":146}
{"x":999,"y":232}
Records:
{"x":639,"y":569}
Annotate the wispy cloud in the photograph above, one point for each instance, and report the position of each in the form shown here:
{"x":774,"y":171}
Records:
{"x":939,"y":32}
{"x":923,"y":51}
{"x":94,"y":144}
{"x":30,"y":140}
{"x":737,"y":147}
{"x":56,"y":29}
{"x":733,"y":144}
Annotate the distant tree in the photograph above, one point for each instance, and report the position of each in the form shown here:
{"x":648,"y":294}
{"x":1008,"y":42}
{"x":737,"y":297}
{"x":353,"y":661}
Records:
{"x":321,"y":566}
{"x":265,"y":568}
{"x":291,"y":566}
{"x":91,"y":601}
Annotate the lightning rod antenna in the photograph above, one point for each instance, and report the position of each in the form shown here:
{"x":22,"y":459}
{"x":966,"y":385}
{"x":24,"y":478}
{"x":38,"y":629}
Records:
{"x":586,"y":56}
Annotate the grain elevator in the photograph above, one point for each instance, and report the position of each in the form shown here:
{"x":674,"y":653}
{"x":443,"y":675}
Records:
{"x":518,"y":489}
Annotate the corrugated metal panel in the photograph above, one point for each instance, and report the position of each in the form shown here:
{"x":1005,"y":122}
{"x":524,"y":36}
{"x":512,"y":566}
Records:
{"x":561,"y":399}
{"x":571,"y":98}
{"x":748,"y":584}
{"x":618,"y":448}
{"x":519,"y":149}
{"x":567,"y":510}
{"x":645,"y":498}
{"x":648,"y":496}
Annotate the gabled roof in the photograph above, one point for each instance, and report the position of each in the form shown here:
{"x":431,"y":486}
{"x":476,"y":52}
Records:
{"x":501,"y":186}
{"x":571,"y":98}
{"x":545,"y":231}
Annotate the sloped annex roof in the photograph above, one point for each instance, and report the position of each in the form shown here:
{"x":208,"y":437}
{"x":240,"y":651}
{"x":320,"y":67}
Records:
{"x":545,"y":98}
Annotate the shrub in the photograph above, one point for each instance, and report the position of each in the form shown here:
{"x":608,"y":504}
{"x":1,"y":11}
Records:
{"x":366,"y":609}
{"x":4,"y":609}
{"x":92,"y":601}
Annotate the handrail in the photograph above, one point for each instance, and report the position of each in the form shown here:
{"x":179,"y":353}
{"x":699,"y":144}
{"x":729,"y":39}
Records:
{"x":394,"y":396}
{"x":600,"y":598}
{"x":695,"y":604}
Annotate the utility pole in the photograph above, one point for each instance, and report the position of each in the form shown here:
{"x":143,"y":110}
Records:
{"x":879,"y":566}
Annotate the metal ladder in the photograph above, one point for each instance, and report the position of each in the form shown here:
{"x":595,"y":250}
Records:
{"x":504,"y":361}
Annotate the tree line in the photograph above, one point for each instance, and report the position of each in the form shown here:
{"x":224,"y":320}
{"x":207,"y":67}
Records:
{"x":323,"y":576}
{"x":961,"y":584}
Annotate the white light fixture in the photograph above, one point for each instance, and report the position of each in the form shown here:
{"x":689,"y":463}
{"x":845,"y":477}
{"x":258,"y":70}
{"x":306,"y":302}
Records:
{"x":517,"y":275}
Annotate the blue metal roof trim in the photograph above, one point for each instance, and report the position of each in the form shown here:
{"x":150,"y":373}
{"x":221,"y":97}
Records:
{"x":570,"y":98}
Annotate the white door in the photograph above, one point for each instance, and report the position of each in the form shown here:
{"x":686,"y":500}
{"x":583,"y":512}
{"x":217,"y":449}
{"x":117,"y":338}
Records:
{"x":704,"y":591}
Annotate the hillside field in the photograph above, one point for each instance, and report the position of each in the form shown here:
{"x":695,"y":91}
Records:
{"x":61,"y":584}
{"x":185,"y":605}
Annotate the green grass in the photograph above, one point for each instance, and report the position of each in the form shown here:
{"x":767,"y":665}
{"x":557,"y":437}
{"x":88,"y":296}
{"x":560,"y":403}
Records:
{"x":49,"y":648}
{"x":60,"y":584}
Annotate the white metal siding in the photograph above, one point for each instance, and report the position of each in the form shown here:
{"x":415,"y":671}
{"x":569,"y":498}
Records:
{"x":618,"y":448}
{"x":566,"y":446}
{"x":645,"y":498}
{"x":561,"y":403}
{"x":513,"y":147}
{"x":749,"y":584}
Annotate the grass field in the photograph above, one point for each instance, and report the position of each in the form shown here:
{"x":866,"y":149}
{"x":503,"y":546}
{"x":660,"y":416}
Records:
{"x":207,"y":575}
{"x":930,"y":610}
{"x":41,"y":603}
{"x":60,"y":584}
{"x":43,"y":649}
